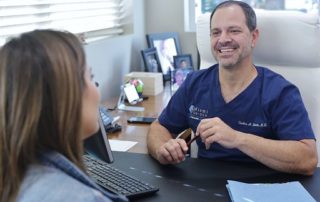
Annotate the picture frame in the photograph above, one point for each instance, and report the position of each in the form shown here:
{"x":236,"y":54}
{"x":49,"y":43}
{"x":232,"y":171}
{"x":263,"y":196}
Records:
{"x":183,"y":61}
{"x":178,"y":76}
{"x":167,"y":45}
{"x":151,"y":60}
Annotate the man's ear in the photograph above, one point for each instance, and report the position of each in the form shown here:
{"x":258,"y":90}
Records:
{"x":255,"y":36}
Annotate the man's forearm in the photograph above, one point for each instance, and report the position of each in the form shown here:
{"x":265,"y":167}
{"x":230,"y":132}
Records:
{"x":157,"y":136}
{"x":287,"y":156}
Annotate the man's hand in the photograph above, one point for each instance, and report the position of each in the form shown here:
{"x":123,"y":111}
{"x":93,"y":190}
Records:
{"x":215,"y":130}
{"x":282,"y":155}
{"x":172,"y":152}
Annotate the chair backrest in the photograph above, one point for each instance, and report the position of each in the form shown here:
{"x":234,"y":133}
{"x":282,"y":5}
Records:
{"x":289,"y":44}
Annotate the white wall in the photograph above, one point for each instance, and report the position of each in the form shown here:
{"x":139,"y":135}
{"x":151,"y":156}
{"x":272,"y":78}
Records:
{"x":110,"y":60}
{"x":114,"y":57}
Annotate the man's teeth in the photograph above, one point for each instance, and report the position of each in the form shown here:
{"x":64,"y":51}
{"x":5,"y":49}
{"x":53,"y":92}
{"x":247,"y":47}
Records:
{"x":226,"y":50}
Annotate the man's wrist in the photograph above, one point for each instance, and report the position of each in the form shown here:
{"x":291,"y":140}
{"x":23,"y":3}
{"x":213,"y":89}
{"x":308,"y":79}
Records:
{"x":241,"y":139}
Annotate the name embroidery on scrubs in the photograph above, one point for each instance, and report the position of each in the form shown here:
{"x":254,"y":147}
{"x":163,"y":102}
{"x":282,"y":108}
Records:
{"x":259,"y":125}
{"x":197,"y":113}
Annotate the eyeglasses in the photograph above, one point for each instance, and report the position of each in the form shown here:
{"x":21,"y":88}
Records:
{"x":192,"y":140}
{"x":185,"y":134}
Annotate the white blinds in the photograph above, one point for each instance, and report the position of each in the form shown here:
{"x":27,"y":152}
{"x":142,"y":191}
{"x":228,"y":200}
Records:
{"x":90,"y":18}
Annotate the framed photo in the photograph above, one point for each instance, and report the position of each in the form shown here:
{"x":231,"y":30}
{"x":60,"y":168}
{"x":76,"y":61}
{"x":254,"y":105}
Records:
{"x":178,"y":76}
{"x":167,"y":45}
{"x":151,"y":60}
{"x":183,"y":61}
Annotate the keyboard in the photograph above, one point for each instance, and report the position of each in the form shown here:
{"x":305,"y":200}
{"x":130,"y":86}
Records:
{"x":115,"y":180}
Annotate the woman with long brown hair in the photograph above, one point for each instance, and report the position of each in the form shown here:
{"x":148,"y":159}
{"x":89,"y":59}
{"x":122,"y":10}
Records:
{"x":48,"y":105}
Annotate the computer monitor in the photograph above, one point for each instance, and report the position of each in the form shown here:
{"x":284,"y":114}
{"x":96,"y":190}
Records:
{"x":98,"y":145}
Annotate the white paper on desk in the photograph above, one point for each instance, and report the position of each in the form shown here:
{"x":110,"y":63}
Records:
{"x":121,"y":145}
{"x":265,"y":192}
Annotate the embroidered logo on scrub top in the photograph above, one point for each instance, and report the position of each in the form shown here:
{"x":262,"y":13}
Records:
{"x":252,"y":124}
{"x":197,"y":113}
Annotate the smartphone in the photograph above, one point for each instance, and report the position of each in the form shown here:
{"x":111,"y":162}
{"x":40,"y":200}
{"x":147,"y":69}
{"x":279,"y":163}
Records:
{"x":140,"y":119}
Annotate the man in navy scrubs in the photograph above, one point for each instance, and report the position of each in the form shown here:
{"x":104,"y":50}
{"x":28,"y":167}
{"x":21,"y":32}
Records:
{"x":240,"y":111}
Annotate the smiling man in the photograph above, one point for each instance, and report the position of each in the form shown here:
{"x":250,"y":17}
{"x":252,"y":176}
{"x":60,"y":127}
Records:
{"x":240,"y":111}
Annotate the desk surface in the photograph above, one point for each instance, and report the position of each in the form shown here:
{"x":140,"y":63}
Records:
{"x":194,"y":179}
{"x":203,"y":179}
{"x":138,"y":132}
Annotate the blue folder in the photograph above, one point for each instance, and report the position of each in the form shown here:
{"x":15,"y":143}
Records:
{"x":277,"y":192}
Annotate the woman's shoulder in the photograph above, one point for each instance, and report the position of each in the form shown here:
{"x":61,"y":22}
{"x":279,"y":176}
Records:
{"x":43,"y":183}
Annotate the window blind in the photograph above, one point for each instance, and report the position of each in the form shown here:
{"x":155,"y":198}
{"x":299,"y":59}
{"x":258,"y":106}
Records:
{"x":87,"y":18}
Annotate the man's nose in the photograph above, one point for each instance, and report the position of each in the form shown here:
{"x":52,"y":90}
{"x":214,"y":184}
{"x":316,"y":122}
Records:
{"x":224,"y":37}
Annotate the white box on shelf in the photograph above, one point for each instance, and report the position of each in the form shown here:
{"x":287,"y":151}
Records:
{"x":153,"y":82}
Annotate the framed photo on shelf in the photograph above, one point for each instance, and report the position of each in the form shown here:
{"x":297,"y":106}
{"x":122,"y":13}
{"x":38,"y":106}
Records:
{"x":178,"y":76}
{"x":183,"y":61}
{"x":167,"y":45}
{"x":151,"y":60}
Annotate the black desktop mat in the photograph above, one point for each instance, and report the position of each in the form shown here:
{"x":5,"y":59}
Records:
{"x":202,"y":179}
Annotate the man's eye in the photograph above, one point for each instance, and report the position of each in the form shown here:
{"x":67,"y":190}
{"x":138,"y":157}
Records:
{"x":235,"y":31}
{"x":215,"y":33}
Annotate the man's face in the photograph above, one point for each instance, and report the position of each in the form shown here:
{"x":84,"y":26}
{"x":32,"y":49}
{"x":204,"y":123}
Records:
{"x":231,"y":39}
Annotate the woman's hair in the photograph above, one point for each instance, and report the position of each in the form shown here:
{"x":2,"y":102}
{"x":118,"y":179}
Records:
{"x":41,"y":87}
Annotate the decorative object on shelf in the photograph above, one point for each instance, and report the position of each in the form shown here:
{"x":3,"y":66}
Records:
{"x":138,"y":84}
{"x":151,"y":60}
{"x":182,"y":61}
{"x":167,"y":45}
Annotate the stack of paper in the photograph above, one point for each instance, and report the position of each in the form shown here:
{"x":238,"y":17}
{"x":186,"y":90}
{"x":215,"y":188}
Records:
{"x":290,"y":191}
{"x":121,"y":145}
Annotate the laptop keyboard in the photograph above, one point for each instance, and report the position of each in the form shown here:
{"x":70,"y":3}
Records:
{"x":115,"y":180}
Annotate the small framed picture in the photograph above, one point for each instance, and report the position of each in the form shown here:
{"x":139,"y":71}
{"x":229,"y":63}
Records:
{"x":167,"y":45}
{"x":183,"y":61}
{"x":178,"y":76}
{"x":151,"y":60}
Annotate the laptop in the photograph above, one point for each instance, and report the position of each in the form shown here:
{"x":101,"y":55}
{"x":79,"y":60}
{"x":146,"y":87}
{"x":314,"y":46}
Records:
{"x":98,"y":158}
